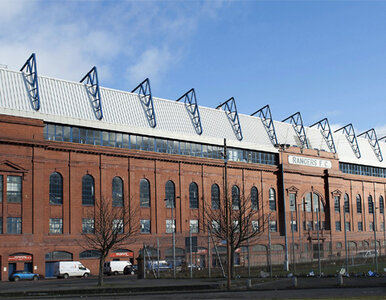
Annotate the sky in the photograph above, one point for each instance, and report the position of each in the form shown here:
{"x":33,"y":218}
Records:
{"x":322,"y":58}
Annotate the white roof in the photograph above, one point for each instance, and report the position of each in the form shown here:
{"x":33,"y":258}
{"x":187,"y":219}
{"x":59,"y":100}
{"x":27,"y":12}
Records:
{"x":67,"y":102}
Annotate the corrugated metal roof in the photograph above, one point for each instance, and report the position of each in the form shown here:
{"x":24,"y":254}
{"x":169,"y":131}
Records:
{"x":68,"y":103}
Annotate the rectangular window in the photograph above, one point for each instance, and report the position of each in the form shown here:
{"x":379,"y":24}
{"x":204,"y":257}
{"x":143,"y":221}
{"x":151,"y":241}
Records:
{"x":371,"y":227}
{"x":14,"y":225}
{"x":360,"y":226}
{"x":105,"y":138}
{"x":75,"y":134}
{"x":292,"y":202}
{"x":215,"y":226}
{"x":97,"y":137}
{"x":308,"y":202}
{"x":66,"y":133}
{"x":87,"y":225}
{"x":118,"y":142}
{"x":347,"y":226}
{"x":56,"y":226}
{"x":337,"y":203}
{"x":14,"y":189}
{"x":310,"y":225}
{"x":193,"y":226}
{"x":1,"y":188}
{"x":272,"y":226}
{"x":294,"y":226}
{"x":338,"y":226}
{"x":82,"y":135}
{"x":118,"y":226}
{"x":170,"y":226}
{"x":59,"y":133}
{"x":145,"y":226}
{"x":255,"y":226}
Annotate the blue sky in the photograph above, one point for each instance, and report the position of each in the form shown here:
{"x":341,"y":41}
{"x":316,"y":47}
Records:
{"x":322,"y":58}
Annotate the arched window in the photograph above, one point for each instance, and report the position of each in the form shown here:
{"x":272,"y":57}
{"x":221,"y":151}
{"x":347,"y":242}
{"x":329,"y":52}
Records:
{"x":144,"y":193}
{"x":371,"y":204}
{"x":56,"y":188}
{"x":337,"y":203}
{"x":170,"y":194}
{"x":359,"y":204}
{"x":193,"y":195}
{"x":307,"y":202}
{"x":215,"y":196}
{"x":346,"y":204}
{"x":381,"y":205}
{"x":88,"y":192}
{"x":272,"y":199}
{"x":254,"y":198}
{"x":89,"y":254}
{"x":235,"y":197}
{"x":117,"y":188}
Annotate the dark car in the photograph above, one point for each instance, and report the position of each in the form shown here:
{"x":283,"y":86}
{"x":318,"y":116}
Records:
{"x":132,"y":269}
{"x":23,"y":275}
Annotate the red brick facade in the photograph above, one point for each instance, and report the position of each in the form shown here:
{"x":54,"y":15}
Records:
{"x":24,"y":152}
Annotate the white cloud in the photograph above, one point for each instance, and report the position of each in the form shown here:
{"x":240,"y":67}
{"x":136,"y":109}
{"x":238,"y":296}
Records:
{"x":129,"y":39}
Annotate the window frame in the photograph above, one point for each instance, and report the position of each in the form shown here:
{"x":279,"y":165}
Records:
{"x":14,"y":195}
{"x":144,"y":193}
{"x":215,"y":199}
{"x":88,"y":190}
{"x":117,"y":192}
{"x":193,"y":195}
{"x":56,"y":189}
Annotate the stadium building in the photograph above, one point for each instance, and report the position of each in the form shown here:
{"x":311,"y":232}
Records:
{"x":65,"y":145}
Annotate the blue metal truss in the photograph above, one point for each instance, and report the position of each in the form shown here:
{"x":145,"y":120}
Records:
{"x":297,"y":124}
{"x":92,"y":86}
{"x":230,"y":108}
{"x":144,"y":94}
{"x":371,"y":136}
{"x":31,"y":80}
{"x":266,"y":117}
{"x":192,"y":108}
{"x":325,"y":129}
{"x":352,"y":139}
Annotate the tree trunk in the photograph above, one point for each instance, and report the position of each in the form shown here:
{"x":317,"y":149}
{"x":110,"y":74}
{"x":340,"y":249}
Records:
{"x":100,"y":275}
{"x":232,"y":262}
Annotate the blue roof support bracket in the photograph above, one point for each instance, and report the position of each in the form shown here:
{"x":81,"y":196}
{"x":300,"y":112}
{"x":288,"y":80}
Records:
{"x":192,"y":108}
{"x":325,"y":129}
{"x":297,"y":124}
{"x":266,"y":117}
{"x":31,"y":81}
{"x":230,"y":108}
{"x":92,"y":85}
{"x":371,"y":136}
{"x":144,"y":94}
{"x":349,"y":132}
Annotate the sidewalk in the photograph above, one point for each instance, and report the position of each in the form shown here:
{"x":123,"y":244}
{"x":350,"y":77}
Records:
{"x":153,"y":286}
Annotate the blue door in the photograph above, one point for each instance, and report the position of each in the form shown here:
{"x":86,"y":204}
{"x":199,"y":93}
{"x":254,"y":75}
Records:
{"x":50,"y":269}
{"x":28,"y":267}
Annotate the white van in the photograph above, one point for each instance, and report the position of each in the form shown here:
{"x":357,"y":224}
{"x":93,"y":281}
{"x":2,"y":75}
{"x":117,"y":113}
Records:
{"x":115,"y":267}
{"x":66,"y":269}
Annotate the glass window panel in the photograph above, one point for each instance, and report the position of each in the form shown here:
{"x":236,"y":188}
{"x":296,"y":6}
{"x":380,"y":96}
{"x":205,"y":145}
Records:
{"x":14,"y":225}
{"x":82,"y":135}
{"x":254,"y":198}
{"x":235,"y":197}
{"x":215,"y":196}
{"x":87,"y":225}
{"x":66,"y":134}
{"x":112,"y":139}
{"x":90,"y":137}
{"x":118,"y":142}
{"x":125,"y":141}
{"x":144,"y":193}
{"x":151,"y":143}
{"x":59,"y":133}
{"x":117,"y":192}
{"x":88,"y":190}
{"x":337,"y":203}
{"x":133,"y":141}
{"x":170,"y":226}
{"x":75,"y":134}
{"x":145,"y":226}
{"x":193,"y":226}
{"x":14,"y":192}
{"x":292,"y":201}
{"x":97,"y":137}
{"x":56,"y":226}
{"x":56,"y":188}
{"x":193,"y":195}
{"x":170,"y":194}
{"x":105,"y":138}
{"x":272,"y":199}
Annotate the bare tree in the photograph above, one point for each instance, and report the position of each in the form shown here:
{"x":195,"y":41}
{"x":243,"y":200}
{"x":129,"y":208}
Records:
{"x":112,"y":227}
{"x":245,"y":221}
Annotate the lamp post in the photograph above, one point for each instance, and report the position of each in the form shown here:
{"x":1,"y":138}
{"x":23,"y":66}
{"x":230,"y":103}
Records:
{"x":227,"y":217}
{"x":318,"y":227}
{"x":375,"y":237}
{"x":173,"y":237}
{"x":282,"y":148}
{"x":345,"y":235}
{"x":293,"y":243}
{"x":300,"y":234}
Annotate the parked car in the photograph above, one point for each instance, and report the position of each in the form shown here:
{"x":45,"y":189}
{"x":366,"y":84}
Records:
{"x":133,"y":269}
{"x":23,"y":275}
{"x":66,"y":269}
{"x":115,"y":267}
{"x":162,"y":266}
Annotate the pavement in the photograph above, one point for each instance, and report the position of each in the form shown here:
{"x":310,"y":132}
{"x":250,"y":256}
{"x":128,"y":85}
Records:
{"x":122,"y":285}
